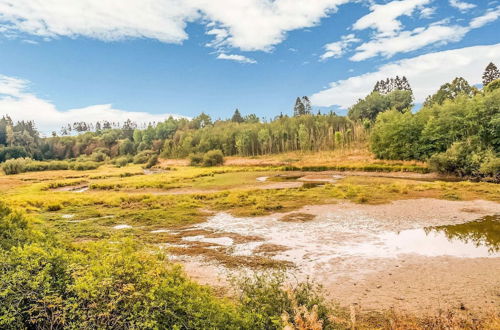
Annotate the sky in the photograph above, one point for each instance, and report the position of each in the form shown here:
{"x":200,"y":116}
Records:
{"x":92,"y":60}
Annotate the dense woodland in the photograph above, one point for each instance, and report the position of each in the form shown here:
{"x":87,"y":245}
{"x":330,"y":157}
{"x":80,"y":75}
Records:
{"x":457,"y":130}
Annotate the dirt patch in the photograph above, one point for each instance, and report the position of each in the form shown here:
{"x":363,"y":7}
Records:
{"x":173,"y":162}
{"x":270,"y":249}
{"x":298,"y":217}
{"x":421,"y":285}
{"x":327,"y":178}
{"x":76,"y":189}
{"x":149,"y":171}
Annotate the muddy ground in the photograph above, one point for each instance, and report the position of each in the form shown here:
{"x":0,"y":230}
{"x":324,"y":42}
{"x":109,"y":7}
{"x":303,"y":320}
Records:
{"x":375,"y":256}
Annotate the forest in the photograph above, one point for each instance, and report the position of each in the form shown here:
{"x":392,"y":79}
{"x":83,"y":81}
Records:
{"x":457,"y":131}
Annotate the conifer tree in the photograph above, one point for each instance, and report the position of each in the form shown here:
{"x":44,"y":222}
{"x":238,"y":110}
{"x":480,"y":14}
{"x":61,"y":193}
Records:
{"x":237,"y":118}
{"x":307,"y":105}
{"x":490,"y":73}
{"x":299,"y":108}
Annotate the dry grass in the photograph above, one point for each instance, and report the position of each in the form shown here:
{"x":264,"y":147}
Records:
{"x":297,"y":217}
{"x":270,"y":249}
{"x":221,"y":255}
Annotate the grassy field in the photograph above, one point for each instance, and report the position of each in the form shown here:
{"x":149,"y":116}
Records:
{"x":86,"y":206}
{"x":181,"y":195}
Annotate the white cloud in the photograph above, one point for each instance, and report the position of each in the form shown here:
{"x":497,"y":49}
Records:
{"x":490,"y":16}
{"x":383,"y":18}
{"x":106,"y":20}
{"x":406,"y":41}
{"x":236,"y":58}
{"x":427,"y":12}
{"x":244,"y":24}
{"x":17,"y":102}
{"x":425,"y":74}
{"x":462,"y":5}
{"x":338,"y":48}
{"x":260,"y":24}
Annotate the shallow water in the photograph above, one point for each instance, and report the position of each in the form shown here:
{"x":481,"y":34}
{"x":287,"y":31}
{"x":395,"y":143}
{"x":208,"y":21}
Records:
{"x":327,"y":239}
{"x":429,"y":242}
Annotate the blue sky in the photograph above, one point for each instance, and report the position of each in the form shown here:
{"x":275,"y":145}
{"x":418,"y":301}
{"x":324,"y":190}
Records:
{"x":64,"y":61}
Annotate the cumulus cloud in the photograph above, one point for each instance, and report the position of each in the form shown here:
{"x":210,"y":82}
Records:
{"x":244,"y":24}
{"x":236,"y":58}
{"x":338,"y":48}
{"x":407,"y":41}
{"x":490,"y":16}
{"x":20,"y":104}
{"x":462,"y":5}
{"x":106,"y":20}
{"x":425,"y":73}
{"x":260,"y":24}
{"x":384,"y":18}
{"x":389,"y":42}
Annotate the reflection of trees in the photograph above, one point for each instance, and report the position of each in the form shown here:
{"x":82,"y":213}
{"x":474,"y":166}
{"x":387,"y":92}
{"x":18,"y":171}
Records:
{"x":485,"y":231}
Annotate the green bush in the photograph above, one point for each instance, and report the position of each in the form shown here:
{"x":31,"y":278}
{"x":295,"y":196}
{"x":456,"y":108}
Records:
{"x":99,"y":156}
{"x":12,"y":152}
{"x":15,"y":166}
{"x":490,"y":168}
{"x":53,"y":207}
{"x":84,"y":166}
{"x":271,"y":303}
{"x":21,"y":165}
{"x":122,"y":161}
{"x":195,"y":159}
{"x":143,"y":156}
{"x":466,"y":159}
{"x":213,"y":158}
{"x":153,"y":160}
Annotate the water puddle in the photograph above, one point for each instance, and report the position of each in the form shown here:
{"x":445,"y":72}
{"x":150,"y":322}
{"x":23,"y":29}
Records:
{"x":122,"y":227}
{"x":327,"y":239}
{"x":428,"y":242}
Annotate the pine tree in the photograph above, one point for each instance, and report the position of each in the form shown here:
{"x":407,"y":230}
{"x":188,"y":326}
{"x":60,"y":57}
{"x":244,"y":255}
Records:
{"x":490,"y":73}
{"x":307,"y":105}
{"x":390,"y":85}
{"x":299,"y":108}
{"x":237,"y":118}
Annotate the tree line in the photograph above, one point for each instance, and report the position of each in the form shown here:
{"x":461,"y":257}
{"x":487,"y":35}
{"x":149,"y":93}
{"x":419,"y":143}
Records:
{"x":385,"y":113}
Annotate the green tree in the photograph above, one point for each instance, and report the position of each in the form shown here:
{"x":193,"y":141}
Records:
{"x":237,"y":118}
{"x":299,"y":108}
{"x":450,"y":91}
{"x":490,"y":74}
